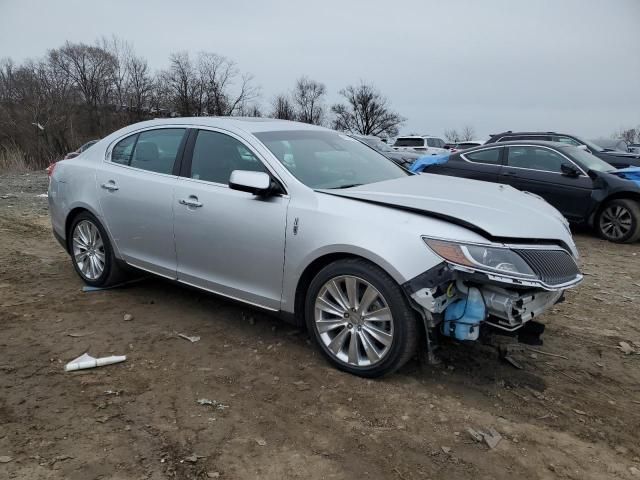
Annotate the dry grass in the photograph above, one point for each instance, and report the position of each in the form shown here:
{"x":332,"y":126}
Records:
{"x":13,"y":160}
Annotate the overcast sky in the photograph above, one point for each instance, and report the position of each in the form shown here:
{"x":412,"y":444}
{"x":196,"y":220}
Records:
{"x":567,"y":65}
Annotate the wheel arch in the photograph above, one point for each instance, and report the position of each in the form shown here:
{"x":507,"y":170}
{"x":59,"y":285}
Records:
{"x":623,"y":195}
{"x":317,"y":264}
{"x":77,"y":210}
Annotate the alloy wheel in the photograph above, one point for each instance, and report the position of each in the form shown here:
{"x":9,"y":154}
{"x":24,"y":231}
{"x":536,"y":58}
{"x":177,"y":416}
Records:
{"x":615,"y":222}
{"x":88,"y":250}
{"x":354,"y":321}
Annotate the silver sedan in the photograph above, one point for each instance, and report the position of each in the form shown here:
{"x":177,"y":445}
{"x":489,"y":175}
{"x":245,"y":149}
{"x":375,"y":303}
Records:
{"x":315,"y":226}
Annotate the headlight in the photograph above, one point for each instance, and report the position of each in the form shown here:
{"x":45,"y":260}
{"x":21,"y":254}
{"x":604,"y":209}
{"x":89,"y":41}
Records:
{"x":480,"y":257}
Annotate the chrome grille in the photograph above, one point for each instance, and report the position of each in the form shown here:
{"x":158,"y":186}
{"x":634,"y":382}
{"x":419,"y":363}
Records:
{"x":553,"y":267}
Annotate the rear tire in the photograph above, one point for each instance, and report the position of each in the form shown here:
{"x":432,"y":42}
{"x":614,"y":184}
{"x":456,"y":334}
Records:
{"x":360,"y":318}
{"x":619,"y":221}
{"x":91,"y":252}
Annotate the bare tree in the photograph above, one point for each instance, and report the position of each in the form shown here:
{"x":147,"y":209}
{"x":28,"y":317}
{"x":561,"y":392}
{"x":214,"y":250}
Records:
{"x":629,"y":135}
{"x":91,"y":68}
{"x":366,"y":112}
{"x":468,"y":134}
{"x":452,"y":136}
{"x":140,"y":85}
{"x":121,"y":52}
{"x":282,"y":108}
{"x":225,"y":90}
{"x":181,"y":81}
{"x":308,"y":96}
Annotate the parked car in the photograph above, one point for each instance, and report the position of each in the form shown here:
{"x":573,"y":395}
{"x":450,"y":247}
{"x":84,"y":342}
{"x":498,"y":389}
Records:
{"x":403,"y":158}
{"x":306,"y":222}
{"x":424,"y":145}
{"x":584,"y":188}
{"x":466,"y":144}
{"x":70,"y":155}
{"x":617,"y":159}
{"x":612,"y":145}
{"x":77,"y":152}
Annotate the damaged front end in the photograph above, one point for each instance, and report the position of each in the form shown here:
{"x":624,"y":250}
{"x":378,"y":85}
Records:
{"x":494,"y":286}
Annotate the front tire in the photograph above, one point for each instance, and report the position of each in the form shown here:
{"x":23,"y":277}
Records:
{"x":91,"y":252}
{"x":619,"y":221}
{"x":360,"y":318}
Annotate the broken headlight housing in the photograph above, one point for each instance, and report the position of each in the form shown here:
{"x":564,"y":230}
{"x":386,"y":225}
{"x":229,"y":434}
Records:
{"x":487,"y":258}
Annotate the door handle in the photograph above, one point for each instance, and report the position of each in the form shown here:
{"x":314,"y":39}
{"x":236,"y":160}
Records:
{"x":510,"y":174}
{"x":111,"y":186}
{"x":190,"y":202}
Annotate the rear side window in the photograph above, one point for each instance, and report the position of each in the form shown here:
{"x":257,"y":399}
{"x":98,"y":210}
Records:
{"x":153,"y":150}
{"x":409,"y":142}
{"x":156,"y":150}
{"x":535,"y":158}
{"x":491,"y":156}
{"x":216,"y":155}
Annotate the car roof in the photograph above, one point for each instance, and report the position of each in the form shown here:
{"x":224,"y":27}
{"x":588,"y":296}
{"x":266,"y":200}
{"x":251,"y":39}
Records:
{"x":542,"y":143}
{"x":509,"y":132}
{"x":248,"y":124}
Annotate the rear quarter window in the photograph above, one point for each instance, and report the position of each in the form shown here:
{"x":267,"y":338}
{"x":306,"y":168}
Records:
{"x":491,"y":156}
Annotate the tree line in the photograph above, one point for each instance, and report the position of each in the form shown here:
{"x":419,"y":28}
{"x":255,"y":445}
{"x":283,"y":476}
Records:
{"x":78,"y":92}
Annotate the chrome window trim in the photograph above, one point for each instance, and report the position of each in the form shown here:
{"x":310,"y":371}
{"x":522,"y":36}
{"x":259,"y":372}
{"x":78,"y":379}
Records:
{"x":109,"y":151}
{"x":583,"y":173}
{"x":463,"y":156}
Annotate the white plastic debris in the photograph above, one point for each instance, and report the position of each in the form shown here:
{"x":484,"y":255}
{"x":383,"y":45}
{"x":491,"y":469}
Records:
{"x":212,"y":403}
{"x":42,"y":195}
{"x":87,"y":361}
{"x":193,"y":339}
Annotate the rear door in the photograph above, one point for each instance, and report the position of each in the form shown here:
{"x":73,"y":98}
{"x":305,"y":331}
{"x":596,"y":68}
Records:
{"x":136,"y":183}
{"x":228,"y":242}
{"x":537,"y":169}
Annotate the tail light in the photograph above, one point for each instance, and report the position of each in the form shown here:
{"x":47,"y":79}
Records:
{"x":50,"y":169}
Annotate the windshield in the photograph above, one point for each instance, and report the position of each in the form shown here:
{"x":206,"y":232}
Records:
{"x":377,"y":144}
{"x":587,"y":160}
{"x":326,"y":159}
{"x":591,"y":146}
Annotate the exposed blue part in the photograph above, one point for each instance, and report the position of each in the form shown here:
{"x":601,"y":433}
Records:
{"x":462,"y":318}
{"x":424,"y":162}
{"x":631,"y":173}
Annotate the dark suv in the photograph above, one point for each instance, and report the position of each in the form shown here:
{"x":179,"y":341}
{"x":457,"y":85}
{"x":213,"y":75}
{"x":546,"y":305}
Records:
{"x":617,"y":159}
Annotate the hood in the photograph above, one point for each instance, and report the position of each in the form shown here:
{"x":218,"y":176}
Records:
{"x":618,"y":153}
{"x":494,"y":210}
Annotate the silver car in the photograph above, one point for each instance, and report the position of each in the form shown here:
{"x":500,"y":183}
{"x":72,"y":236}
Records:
{"x":314,"y":225}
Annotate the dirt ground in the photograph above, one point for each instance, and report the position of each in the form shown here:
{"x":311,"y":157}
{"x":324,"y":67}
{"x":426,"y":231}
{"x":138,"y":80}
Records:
{"x":281,"y":411}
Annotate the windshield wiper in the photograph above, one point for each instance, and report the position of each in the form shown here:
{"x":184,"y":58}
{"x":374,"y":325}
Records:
{"x":349,"y":185}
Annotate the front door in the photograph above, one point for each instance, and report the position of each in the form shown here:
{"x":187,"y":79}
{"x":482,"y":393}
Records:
{"x":537,"y":169}
{"x":227,"y":241}
{"x":136,"y":186}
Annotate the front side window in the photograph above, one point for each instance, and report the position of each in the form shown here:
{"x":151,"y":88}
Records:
{"x":216,"y":155}
{"x":156,"y":150}
{"x":491,"y":156}
{"x":535,"y":158}
{"x":325,"y":159}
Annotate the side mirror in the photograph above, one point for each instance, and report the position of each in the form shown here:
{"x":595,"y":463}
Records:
{"x":257,"y":183}
{"x":584,"y":147}
{"x":569,"y":170}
